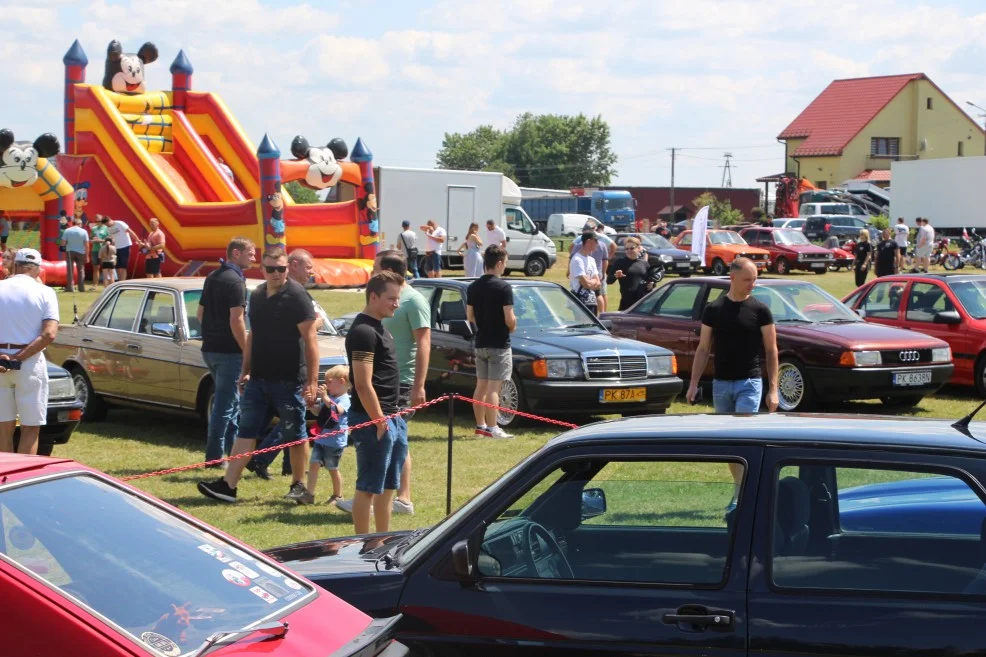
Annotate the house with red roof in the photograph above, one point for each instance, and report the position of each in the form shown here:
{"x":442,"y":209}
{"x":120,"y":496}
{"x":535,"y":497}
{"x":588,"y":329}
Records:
{"x":855,"y":128}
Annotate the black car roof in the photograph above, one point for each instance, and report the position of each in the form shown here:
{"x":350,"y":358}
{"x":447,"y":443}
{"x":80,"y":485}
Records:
{"x":762,"y":280}
{"x":787,"y":429}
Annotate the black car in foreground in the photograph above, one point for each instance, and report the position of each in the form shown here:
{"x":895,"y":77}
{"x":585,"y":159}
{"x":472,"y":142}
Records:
{"x":696,"y":535}
{"x":64,"y":412}
{"x":565,"y":361}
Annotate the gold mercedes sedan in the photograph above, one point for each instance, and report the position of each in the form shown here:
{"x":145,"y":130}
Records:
{"x":140,"y":344}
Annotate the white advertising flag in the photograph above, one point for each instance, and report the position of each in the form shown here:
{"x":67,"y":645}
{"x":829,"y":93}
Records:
{"x":699,"y":226}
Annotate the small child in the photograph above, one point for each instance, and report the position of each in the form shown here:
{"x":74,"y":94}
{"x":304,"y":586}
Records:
{"x":107,"y":261}
{"x":334,"y":400}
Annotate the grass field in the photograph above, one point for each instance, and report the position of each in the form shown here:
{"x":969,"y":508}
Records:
{"x":130,"y":442}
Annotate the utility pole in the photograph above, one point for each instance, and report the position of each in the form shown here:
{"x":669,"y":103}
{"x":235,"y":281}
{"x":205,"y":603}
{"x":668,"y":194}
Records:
{"x":671,"y":201}
{"x":727,"y":173}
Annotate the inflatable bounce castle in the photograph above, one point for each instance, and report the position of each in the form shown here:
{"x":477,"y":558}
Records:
{"x":180,"y":156}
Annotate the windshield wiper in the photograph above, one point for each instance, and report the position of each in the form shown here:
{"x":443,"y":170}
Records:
{"x":793,"y":319}
{"x":275,"y":630}
{"x":389,"y":558}
{"x":582,"y":325}
{"x":841,"y":320}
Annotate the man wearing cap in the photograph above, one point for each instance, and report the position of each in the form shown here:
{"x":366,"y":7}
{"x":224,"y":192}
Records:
{"x":30,"y":312}
{"x":604,"y":250}
{"x":407,"y":243}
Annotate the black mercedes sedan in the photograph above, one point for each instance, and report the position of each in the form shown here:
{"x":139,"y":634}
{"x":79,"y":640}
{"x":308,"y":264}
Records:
{"x":565,"y":360}
{"x":770,"y":534}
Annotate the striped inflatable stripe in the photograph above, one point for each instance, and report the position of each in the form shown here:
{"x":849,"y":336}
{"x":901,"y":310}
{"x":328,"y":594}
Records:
{"x":149,"y":124}
{"x":155,"y":143}
{"x":154,"y":102}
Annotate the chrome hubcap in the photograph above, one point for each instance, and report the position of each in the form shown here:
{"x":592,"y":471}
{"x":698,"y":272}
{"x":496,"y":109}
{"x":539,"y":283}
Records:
{"x":790,"y":388}
{"x":508,"y":399}
{"x":81,"y":390}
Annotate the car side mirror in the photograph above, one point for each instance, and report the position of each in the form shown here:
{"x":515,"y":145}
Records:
{"x":593,"y":503}
{"x":948,"y":317}
{"x":461,"y":328}
{"x":163,"y":330}
{"x":462,"y":564}
{"x":607,"y":324}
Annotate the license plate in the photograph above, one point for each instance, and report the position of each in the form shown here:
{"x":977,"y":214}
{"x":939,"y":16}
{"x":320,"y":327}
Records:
{"x":682,"y":265}
{"x":818,"y":265}
{"x":912,"y":378}
{"x":621,"y":395}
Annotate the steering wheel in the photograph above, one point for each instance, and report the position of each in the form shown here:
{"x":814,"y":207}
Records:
{"x":551,"y":564}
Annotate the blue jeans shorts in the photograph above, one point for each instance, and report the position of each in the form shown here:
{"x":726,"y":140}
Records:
{"x":740,"y":396}
{"x":433,"y":261}
{"x":378,"y":461}
{"x":327,"y":455}
{"x":286,"y":398}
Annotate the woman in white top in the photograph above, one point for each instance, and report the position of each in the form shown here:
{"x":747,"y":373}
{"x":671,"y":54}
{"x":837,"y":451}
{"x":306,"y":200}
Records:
{"x":473,"y":246}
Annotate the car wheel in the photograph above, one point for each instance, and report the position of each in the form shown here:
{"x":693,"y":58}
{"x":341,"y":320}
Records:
{"x":719,"y":267}
{"x":821,"y":271}
{"x":783,"y":267}
{"x":902,"y":402}
{"x":207,"y":397}
{"x":793,"y":387}
{"x":93,"y":406}
{"x":535,"y":266}
{"x":511,"y":397}
{"x":981,"y":374}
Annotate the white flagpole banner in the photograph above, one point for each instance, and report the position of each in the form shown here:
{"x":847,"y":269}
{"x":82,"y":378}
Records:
{"x":699,"y":226}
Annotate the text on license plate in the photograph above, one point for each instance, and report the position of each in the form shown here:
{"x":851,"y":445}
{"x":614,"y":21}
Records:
{"x":912,"y":378}
{"x":621,"y":395}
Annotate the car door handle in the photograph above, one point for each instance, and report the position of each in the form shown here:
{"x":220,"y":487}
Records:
{"x":697,"y":331}
{"x":133,"y":347}
{"x":87,"y":339}
{"x":696,"y":616}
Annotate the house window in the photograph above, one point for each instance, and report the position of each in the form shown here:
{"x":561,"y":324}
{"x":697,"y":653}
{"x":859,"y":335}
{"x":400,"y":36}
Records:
{"x":885,"y":146}
{"x":961,"y":149}
{"x":929,"y":104}
{"x":822,"y":184}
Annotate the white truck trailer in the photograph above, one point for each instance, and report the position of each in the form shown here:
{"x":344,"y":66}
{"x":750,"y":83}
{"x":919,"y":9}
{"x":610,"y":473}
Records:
{"x":951,"y":192}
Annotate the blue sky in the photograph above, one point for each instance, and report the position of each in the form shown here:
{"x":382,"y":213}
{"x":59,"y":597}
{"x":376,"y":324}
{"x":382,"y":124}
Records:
{"x":708,"y":76}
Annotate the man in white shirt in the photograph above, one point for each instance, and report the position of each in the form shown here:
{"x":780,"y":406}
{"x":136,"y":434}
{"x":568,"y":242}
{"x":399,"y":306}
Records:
{"x":407,"y":243}
{"x":901,"y":235}
{"x":123,"y":238}
{"x":583,"y":274}
{"x":922,"y":249}
{"x":603,"y":252}
{"x":494,"y":236}
{"x":30,"y":312}
{"x":433,"y":248}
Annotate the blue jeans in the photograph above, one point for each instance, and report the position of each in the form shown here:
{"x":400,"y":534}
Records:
{"x":378,"y":460}
{"x":225,"y":370}
{"x":740,"y":396}
{"x":412,"y":267}
{"x":273,"y":438}
{"x":286,"y":398}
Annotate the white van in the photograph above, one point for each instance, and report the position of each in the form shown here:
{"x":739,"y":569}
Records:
{"x":809,"y":209}
{"x":566,"y":225}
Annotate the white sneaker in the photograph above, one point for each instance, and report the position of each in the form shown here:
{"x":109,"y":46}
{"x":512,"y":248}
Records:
{"x":403,"y":508}
{"x":346,"y":506}
{"x":497,"y":432}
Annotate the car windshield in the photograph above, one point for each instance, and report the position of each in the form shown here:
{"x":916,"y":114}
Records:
{"x":837,"y":208}
{"x":543,"y":308}
{"x":791,"y":238}
{"x":972,"y":296}
{"x":618,"y":203}
{"x":800,"y":302}
{"x":726,"y":237}
{"x":655,"y":242}
{"x":151,"y":573}
{"x":194,"y":297}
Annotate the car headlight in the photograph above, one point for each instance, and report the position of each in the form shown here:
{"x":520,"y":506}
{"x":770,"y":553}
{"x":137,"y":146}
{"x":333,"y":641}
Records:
{"x":667,"y":258}
{"x":801,"y":256}
{"x":941,"y":355}
{"x":694,"y":257}
{"x":661,"y":366}
{"x":557,"y":368}
{"x":861,"y":358}
{"x":61,"y":388}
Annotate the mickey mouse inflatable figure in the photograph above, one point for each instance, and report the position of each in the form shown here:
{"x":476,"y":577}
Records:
{"x":323,"y":168}
{"x":125,"y":71}
{"x":19,"y":160}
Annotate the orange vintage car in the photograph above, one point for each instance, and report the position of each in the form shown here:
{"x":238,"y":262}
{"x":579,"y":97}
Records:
{"x":721,"y":248}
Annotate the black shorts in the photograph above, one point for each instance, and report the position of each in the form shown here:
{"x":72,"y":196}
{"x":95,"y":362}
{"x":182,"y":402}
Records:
{"x":108,"y":265}
{"x":152,"y":265}
{"x":902,"y":249}
{"x":122,"y":257}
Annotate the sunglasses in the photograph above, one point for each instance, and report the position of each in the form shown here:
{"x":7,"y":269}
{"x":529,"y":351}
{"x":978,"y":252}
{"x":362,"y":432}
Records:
{"x":280,"y":269}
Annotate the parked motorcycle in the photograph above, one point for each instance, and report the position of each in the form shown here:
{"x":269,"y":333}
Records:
{"x":973,"y":254}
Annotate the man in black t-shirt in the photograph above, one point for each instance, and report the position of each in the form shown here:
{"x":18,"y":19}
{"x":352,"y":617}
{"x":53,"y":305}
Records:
{"x":280,"y":369}
{"x":886,"y":254}
{"x":224,"y":336}
{"x":737,"y":325}
{"x":382,"y":447}
{"x":490,"y":306}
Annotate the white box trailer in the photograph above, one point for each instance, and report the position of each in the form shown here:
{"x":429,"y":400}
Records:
{"x":951,"y":192}
{"x":455,"y":199}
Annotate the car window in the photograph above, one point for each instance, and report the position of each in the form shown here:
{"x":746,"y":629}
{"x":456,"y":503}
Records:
{"x":517,"y":221}
{"x":125,"y":310}
{"x":102,"y":319}
{"x":972,"y":296}
{"x":192,"y":299}
{"x":678,"y":302}
{"x":646,"y":305}
{"x":686,"y":240}
{"x":883,"y":300}
{"x":158,"y":309}
{"x":867,"y":529}
{"x":165,"y":582}
{"x":766,"y":239}
{"x":715,"y":293}
{"x":618,"y":521}
{"x":926,"y":300}
{"x":451,"y":306}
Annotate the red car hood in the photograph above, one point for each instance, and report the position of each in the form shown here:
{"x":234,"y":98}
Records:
{"x":859,"y":336}
{"x":802,"y":248}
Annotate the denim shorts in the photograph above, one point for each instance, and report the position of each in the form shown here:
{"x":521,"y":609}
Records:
{"x":494,"y":364}
{"x":378,"y":461}
{"x":433,"y":261}
{"x":740,"y":396}
{"x":285,"y":397}
{"x":327,"y":455}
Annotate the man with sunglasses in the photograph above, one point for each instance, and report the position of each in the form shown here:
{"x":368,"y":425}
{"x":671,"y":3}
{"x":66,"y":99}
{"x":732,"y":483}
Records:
{"x":280,"y":367}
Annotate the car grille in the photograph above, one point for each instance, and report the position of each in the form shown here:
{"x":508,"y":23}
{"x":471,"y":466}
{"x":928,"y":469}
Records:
{"x":905,"y":356}
{"x":616,"y":366}
{"x":816,"y":256}
{"x":754,"y":256}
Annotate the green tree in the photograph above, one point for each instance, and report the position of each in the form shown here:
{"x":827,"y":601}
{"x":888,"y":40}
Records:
{"x":722,"y":212}
{"x":545,"y":150}
{"x":300,"y":193}
{"x":880,"y":221}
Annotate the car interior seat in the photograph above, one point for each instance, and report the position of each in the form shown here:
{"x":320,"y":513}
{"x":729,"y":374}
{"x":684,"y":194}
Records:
{"x":792,"y":515}
{"x":978,"y":584}
{"x":449,"y":311}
